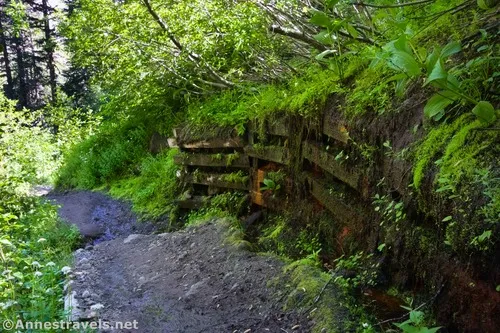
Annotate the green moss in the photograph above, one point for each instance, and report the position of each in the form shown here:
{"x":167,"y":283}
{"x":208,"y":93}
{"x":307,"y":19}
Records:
{"x":313,"y":291}
{"x":371,"y":92}
{"x":459,"y":157}
{"x":433,"y":144}
{"x":464,"y":185}
{"x":236,"y":177}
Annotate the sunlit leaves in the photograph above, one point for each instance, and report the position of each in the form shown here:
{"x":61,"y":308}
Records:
{"x":437,"y":103}
{"x":485,"y":111}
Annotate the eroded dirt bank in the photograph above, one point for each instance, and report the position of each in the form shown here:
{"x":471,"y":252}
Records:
{"x":187,"y":281}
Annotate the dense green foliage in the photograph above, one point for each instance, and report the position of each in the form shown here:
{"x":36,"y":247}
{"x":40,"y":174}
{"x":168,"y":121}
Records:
{"x":151,"y":191}
{"x":156,"y":65}
{"x":31,"y":251}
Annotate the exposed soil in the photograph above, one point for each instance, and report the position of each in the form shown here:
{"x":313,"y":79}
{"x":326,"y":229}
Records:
{"x":186,"y":281}
{"x":99,"y":217}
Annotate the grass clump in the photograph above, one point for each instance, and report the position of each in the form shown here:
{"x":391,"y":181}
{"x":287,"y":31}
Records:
{"x":228,"y":204}
{"x":106,"y":156}
{"x":152,"y":191}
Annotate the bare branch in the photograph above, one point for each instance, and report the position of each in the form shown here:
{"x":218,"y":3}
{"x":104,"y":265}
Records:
{"x":414,"y":3}
{"x":299,"y":35}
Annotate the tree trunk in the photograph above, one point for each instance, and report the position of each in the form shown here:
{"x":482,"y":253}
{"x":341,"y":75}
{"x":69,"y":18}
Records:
{"x":9,"y":88}
{"x":49,"y":49}
{"x":22,"y":94}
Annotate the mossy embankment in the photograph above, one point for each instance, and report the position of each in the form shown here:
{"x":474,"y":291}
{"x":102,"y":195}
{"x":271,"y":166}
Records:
{"x":421,"y":215}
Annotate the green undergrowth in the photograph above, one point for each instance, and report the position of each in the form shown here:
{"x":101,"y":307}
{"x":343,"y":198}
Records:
{"x":304,"y":94}
{"x":314,"y":292}
{"x":220,"y":206}
{"x":113,"y":153}
{"x":32,"y":255}
{"x":151,"y":191}
{"x":278,"y":235}
{"x":117,"y":159}
{"x":464,"y":183}
{"x":35,"y":245}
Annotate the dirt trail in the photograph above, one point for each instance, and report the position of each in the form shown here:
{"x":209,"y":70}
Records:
{"x":186,"y":281}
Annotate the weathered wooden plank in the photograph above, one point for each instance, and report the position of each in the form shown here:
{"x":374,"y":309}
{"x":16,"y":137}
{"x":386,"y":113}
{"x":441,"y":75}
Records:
{"x":336,"y":130}
{"x":338,"y":208}
{"x":213,"y":144}
{"x":275,"y":154}
{"x":327,"y":162}
{"x":213,"y":160}
{"x":257,"y":198}
{"x":195,"y":202}
{"x":216,"y":180}
{"x":278,"y":127}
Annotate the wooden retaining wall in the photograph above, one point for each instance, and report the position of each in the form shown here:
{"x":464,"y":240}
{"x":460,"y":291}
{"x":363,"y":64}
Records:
{"x":280,"y":145}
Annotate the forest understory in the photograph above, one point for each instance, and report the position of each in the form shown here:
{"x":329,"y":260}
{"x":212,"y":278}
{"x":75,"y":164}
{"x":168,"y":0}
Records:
{"x":247,"y":166}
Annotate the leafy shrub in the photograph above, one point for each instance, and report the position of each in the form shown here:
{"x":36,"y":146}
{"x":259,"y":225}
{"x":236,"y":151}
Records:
{"x":32,"y":254}
{"x":153,"y":190}
{"x":27,"y":151}
{"x":221,"y":206}
{"x":31,"y":251}
{"x":108,"y":155}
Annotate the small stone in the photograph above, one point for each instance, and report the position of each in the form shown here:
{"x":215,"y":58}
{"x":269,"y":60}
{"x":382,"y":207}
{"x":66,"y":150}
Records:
{"x":83,"y":261}
{"x":195,"y":288}
{"x":85,"y":266}
{"x":97,"y":307}
{"x":86,"y":294}
{"x":130,"y":238}
{"x":296,"y":327}
{"x":71,"y":307}
{"x":90,"y":230}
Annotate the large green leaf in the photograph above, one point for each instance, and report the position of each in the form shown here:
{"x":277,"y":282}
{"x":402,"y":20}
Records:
{"x":450,"y":48}
{"x":439,"y":102}
{"x":405,"y":62}
{"x":320,"y":18}
{"x":431,"y":60}
{"x":401,"y":44}
{"x":352,"y":31}
{"x":438,"y":73}
{"x":452,"y":82}
{"x":485,"y":111}
{"x":324,"y":37}
{"x":331,"y":3}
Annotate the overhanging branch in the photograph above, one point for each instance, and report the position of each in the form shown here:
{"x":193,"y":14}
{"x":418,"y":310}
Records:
{"x":299,"y":35}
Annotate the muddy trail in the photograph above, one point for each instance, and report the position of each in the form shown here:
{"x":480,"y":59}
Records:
{"x":185,"y":281}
